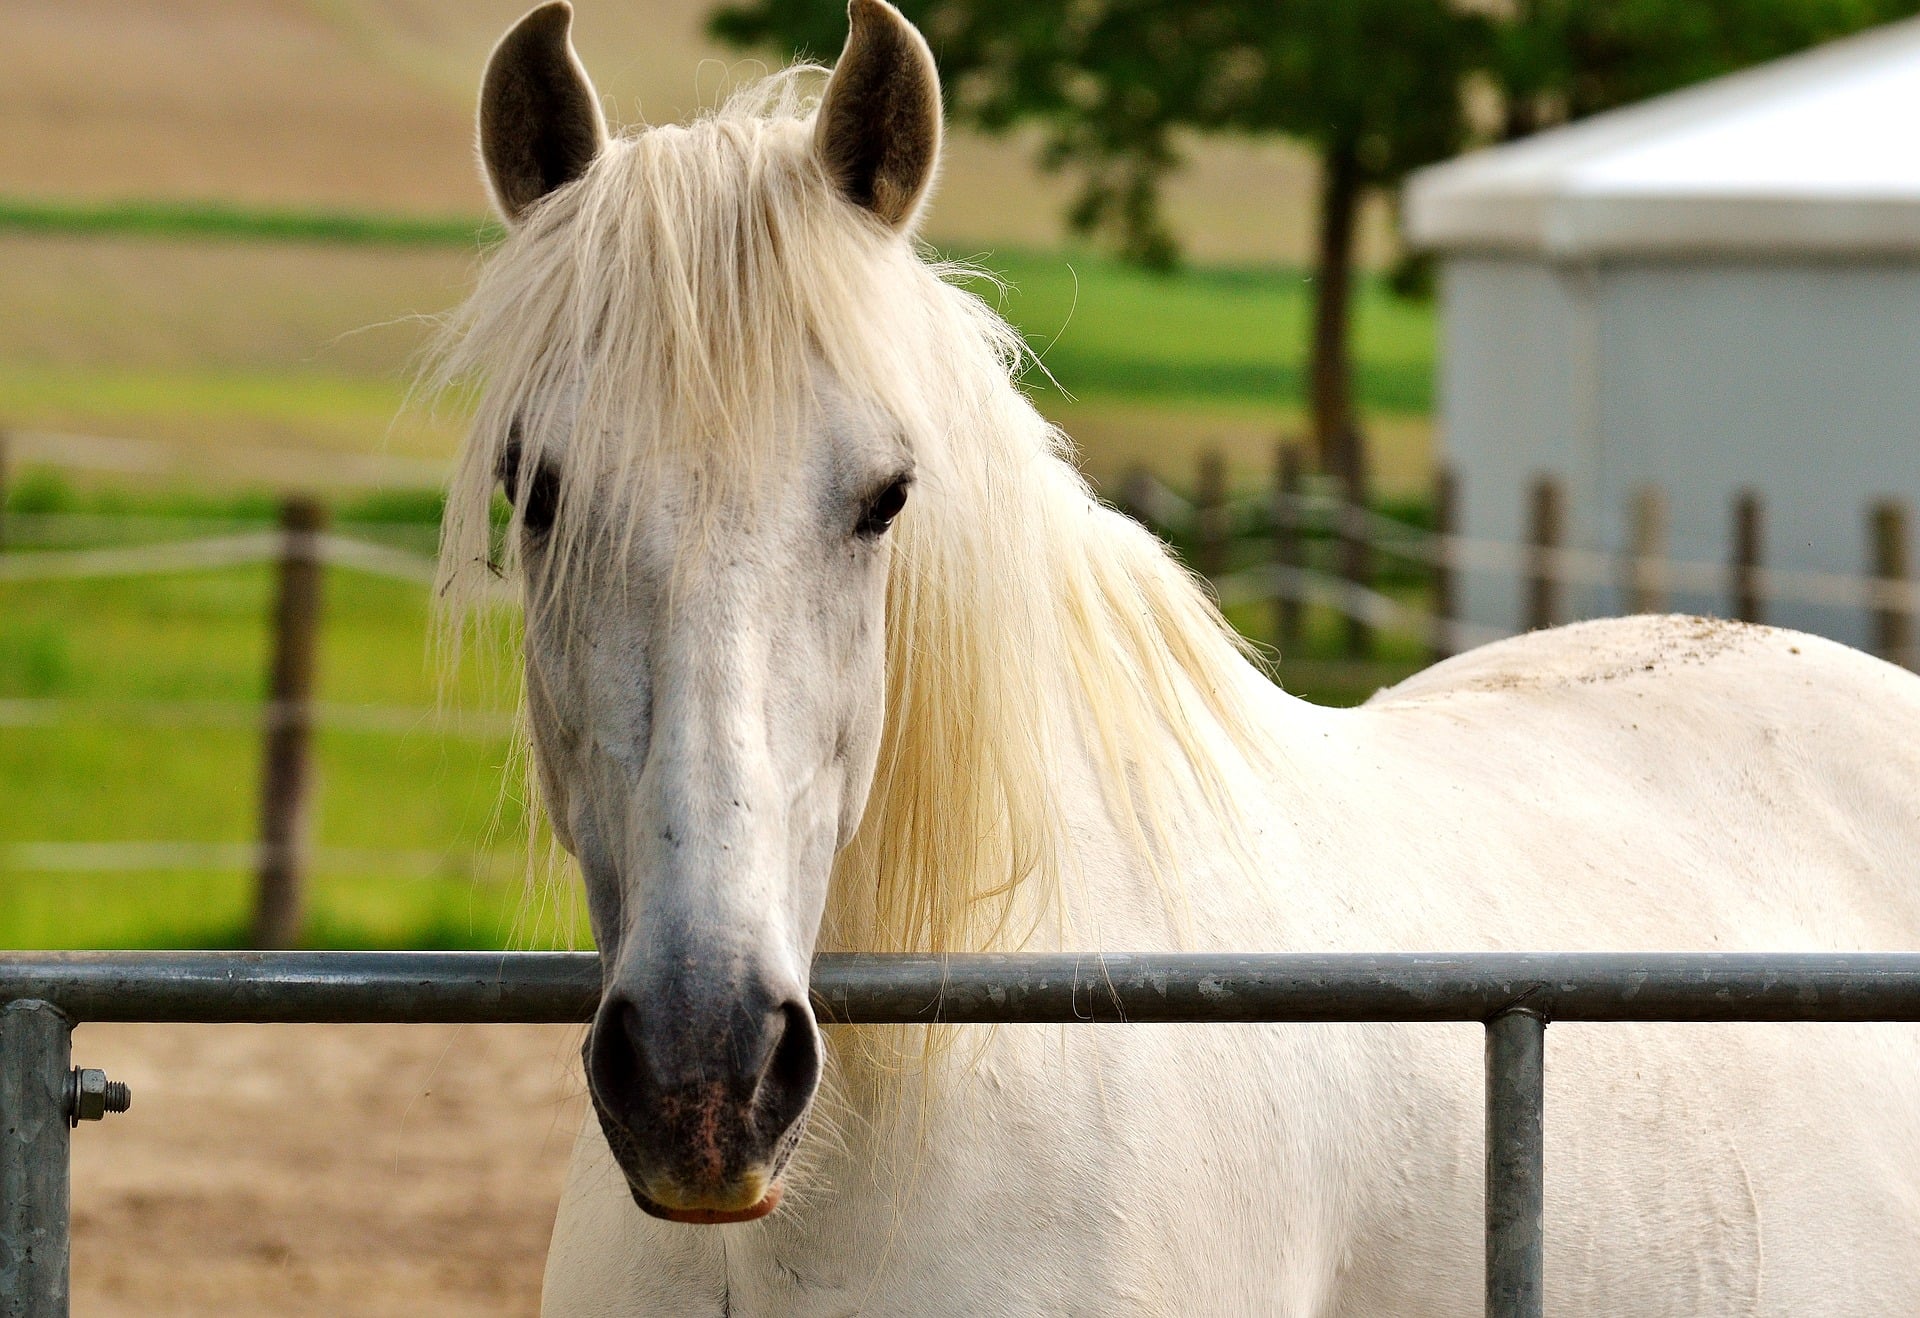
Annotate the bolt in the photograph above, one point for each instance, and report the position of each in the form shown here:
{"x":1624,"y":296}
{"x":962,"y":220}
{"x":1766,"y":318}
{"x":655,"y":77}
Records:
{"x":90,"y":1095}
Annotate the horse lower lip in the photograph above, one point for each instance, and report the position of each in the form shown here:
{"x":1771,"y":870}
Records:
{"x":713,"y":1216}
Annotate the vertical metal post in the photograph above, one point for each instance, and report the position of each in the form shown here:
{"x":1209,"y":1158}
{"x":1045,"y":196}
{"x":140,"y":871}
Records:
{"x":35,"y":1139}
{"x":1515,"y":1191}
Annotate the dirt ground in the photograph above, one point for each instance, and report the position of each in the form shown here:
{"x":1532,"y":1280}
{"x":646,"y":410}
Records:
{"x":338,"y":1170}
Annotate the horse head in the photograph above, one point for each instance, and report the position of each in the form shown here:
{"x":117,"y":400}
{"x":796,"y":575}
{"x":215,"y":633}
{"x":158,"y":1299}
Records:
{"x":703,"y":518}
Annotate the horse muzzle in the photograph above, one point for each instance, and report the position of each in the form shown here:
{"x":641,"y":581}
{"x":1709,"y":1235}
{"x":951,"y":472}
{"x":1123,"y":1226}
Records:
{"x":703,"y":1109}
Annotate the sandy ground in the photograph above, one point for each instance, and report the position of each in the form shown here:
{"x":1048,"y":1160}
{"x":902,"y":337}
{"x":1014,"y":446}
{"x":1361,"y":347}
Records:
{"x":338,"y":1170}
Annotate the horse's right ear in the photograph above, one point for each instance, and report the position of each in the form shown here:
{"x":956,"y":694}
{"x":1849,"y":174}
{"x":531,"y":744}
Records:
{"x":540,"y":120}
{"x":878,"y":130}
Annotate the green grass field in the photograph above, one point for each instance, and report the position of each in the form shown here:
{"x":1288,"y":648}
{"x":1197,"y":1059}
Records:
{"x":216,"y":328}
{"x":124,"y":704}
{"x":141,"y":689}
{"x":1205,"y":336}
{"x":124,"y":723}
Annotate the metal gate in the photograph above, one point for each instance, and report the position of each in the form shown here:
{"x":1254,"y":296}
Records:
{"x":44,"y":995}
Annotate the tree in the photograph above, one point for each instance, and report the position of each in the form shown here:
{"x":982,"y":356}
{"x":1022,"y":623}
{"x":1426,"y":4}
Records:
{"x":1557,"y":60}
{"x":1372,"y":85}
{"x":1375,"y":87}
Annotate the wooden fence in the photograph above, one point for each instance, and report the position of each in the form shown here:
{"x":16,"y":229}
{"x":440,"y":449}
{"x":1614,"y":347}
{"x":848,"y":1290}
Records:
{"x":300,"y":551}
{"x":1303,"y":543}
{"x":1300,"y":544}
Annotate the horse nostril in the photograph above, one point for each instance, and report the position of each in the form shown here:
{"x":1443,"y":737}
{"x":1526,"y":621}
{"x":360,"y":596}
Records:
{"x":794,"y":1069}
{"x":616,"y":1055}
{"x":652,"y":1075}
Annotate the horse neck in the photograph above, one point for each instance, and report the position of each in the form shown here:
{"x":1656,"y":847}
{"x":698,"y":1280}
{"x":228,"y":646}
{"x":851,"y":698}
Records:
{"x":1096,"y":715}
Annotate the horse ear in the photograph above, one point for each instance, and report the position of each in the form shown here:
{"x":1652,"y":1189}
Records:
{"x":540,"y":120}
{"x":878,"y":130}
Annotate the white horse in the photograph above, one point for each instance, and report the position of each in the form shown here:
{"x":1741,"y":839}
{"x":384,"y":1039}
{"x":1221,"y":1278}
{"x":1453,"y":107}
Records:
{"x":780,"y":706}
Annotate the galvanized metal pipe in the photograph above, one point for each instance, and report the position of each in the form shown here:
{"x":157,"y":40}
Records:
{"x":1515,"y":1184}
{"x":993,"y":988}
{"x":35,"y":1058}
{"x":335,"y":987}
{"x":1513,"y":993}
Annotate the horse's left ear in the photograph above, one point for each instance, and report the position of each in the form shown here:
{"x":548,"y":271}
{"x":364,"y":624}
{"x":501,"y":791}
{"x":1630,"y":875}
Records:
{"x":878,"y":131}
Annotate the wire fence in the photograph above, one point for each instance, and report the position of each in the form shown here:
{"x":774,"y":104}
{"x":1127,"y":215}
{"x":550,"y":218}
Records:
{"x":141,"y":857}
{"x":1360,"y":550}
{"x":214,"y":552}
{"x":57,"y":548}
{"x":1299,"y":544}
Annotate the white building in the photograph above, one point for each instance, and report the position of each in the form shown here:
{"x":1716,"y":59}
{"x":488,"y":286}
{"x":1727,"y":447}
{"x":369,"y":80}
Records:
{"x":1713,"y":291}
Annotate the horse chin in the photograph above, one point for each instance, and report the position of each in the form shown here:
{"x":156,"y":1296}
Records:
{"x":709,"y":1216}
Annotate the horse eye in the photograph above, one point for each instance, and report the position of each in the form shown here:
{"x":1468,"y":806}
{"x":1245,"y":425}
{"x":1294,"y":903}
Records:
{"x":542,"y":499}
{"x":883,"y":508}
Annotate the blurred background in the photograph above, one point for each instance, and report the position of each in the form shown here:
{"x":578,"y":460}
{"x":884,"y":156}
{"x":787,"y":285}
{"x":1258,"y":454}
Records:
{"x":1410,"y":323}
{"x":1649,"y":342}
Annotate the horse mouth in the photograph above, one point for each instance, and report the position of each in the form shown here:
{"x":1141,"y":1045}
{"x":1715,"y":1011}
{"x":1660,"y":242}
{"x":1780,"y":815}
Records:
{"x":710,"y":1216}
{"x":771,"y":1187}
{"x":704,"y":1215}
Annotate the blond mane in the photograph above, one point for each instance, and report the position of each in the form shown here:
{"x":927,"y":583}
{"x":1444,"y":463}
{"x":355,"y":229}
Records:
{"x":681,"y":294}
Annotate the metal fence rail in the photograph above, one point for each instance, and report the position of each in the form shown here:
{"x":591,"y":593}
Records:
{"x":43,"y":995}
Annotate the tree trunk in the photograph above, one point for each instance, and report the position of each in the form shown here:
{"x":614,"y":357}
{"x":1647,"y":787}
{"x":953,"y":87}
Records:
{"x":1338,"y":445}
{"x":1331,"y":370}
{"x":1522,"y":118}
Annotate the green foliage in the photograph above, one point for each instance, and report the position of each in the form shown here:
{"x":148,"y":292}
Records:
{"x":1113,"y":82}
{"x":1555,"y":60}
{"x":1375,"y":87}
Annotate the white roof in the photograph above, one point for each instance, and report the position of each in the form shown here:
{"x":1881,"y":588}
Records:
{"x":1819,"y":152}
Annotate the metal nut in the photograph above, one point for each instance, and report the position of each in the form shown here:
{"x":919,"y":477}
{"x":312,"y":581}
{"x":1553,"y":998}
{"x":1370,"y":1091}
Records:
{"x":90,"y":1095}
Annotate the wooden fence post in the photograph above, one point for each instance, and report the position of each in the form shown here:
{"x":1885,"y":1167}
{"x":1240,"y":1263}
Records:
{"x":1446,"y":586}
{"x":1288,"y":544}
{"x":1749,"y":604}
{"x":1546,"y":528}
{"x":1892,"y":616}
{"x":286,"y":784}
{"x":1210,"y":516}
{"x":1136,"y":498}
{"x":1645,"y":587}
{"x":1356,"y":543}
